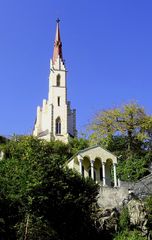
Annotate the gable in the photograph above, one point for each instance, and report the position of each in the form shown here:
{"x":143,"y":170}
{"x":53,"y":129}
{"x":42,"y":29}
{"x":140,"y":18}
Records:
{"x":96,"y":152}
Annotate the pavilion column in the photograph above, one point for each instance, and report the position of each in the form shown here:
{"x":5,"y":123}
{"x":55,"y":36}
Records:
{"x":80,"y":165}
{"x":115,"y":175}
{"x":92,"y":169}
{"x":104,"y":173}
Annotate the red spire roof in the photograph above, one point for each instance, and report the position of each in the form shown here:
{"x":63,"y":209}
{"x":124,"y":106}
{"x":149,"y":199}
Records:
{"x":57,"y":44}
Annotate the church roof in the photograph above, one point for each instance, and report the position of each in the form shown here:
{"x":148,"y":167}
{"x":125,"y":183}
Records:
{"x":57,"y":44}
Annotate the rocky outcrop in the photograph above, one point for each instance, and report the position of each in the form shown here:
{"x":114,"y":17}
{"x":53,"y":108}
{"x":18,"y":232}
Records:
{"x":111,"y":201}
{"x":138,"y":215}
{"x":107,"y":219}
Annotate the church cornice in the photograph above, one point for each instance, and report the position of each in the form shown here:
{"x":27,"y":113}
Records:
{"x":58,"y":70}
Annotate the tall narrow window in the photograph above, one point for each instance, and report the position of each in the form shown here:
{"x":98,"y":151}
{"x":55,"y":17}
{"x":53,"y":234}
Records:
{"x":58,"y":78}
{"x":58,"y":101}
{"x":58,"y":126}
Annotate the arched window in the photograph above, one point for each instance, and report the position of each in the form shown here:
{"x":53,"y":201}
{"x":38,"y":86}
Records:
{"x":58,"y":126}
{"x":58,"y":78}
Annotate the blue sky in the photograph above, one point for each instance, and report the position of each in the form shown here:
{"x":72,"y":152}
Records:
{"x":107,"y":46}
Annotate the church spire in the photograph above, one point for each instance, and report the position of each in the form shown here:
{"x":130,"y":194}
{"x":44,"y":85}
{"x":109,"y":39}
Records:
{"x":57,"y":44}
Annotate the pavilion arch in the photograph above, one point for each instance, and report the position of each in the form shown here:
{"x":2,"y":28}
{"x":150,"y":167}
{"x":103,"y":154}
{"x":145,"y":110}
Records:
{"x":98,"y":161}
{"x":86,"y":165}
{"x":98,"y":169}
{"x":108,"y":170}
{"x":109,"y":161}
{"x":86,"y":157}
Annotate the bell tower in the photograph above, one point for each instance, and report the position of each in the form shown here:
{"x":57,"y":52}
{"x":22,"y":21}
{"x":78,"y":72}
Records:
{"x":55,"y":119}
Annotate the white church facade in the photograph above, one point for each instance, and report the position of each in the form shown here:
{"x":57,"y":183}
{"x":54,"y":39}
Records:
{"x":55,"y":119}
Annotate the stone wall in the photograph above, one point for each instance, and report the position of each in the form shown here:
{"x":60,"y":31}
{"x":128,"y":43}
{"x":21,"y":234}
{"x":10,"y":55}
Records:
{"x":112,"y":197}
{"x":115,"y":197}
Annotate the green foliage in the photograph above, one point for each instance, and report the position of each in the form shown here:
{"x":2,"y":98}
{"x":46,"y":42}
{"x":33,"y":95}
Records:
{"x":124,"y":219}
{"x":148,"y":204}
{"x":133,"y":168}
{"x":130,"y":235}
{"x":115,"y":144}
{"x":40,"y":197}
{"x":26,"y":147}
{"x":77,"y":144}
{"x":35,"y":228}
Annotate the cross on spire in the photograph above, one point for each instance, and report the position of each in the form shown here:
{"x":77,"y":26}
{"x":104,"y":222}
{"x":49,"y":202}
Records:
{"x":58,"y":20}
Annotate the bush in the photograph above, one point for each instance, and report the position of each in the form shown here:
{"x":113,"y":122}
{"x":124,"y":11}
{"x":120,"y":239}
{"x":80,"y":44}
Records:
{"x":148,"y":204}
{"x":124,"y":221}
{"x":40,"y":197}
{"x":130,"y":235}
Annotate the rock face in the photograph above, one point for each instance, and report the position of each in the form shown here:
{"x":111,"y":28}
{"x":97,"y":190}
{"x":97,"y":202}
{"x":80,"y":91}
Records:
{"x":138,"y":215}
{"x":130,"y":195}
{"x":107,"y":220}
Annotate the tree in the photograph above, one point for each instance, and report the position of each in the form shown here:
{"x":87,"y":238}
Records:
{"x":132,"y":168}
{"x":129,"y":122}
{"x":126,"y":131}
{"x":77,"y":144}
{"x":40,"y":197}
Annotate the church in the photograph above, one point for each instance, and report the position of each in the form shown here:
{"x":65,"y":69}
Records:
{"x":55,"y":119}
